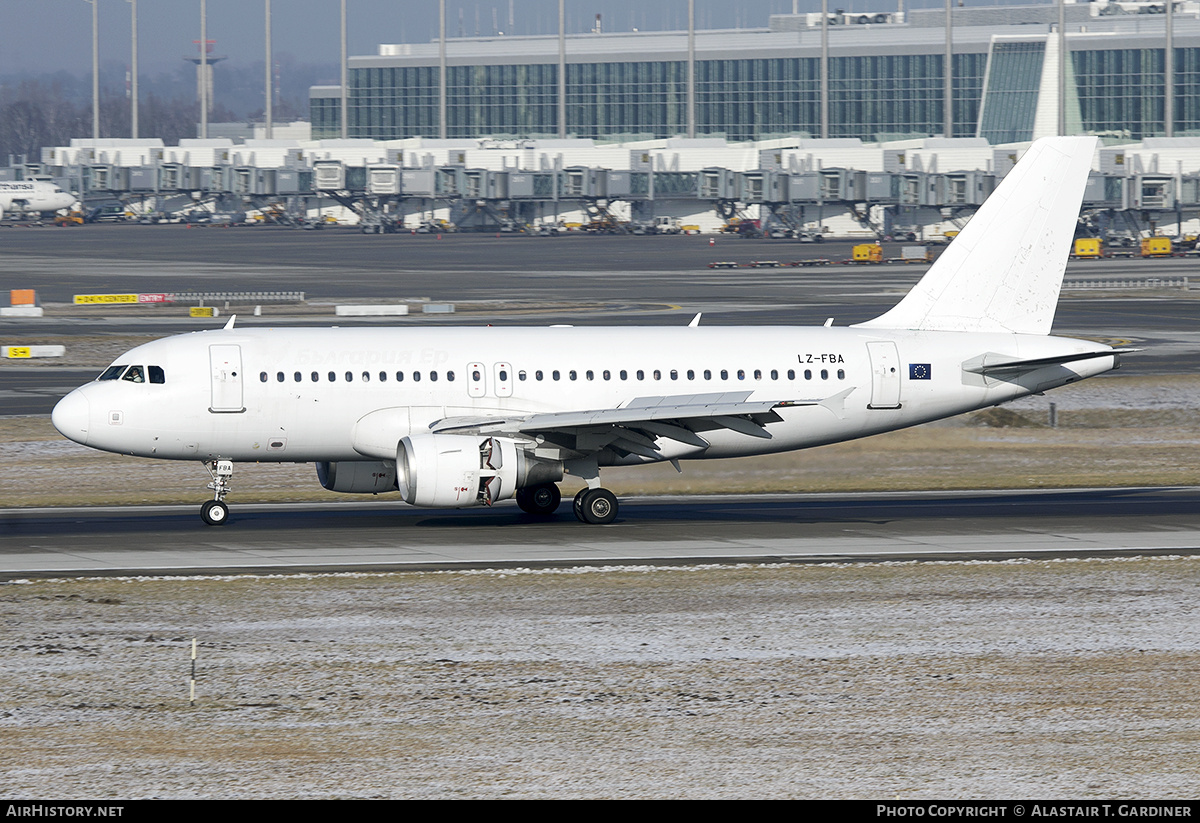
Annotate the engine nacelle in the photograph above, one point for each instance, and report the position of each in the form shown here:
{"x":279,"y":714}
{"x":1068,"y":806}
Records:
{"x":459,"y":470}
{"x":355,"y":477}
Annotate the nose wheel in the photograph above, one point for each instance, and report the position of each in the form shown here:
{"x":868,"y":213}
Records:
{"x":215,"y":512}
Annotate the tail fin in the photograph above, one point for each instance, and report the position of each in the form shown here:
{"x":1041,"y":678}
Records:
{"x":1004,"y":271}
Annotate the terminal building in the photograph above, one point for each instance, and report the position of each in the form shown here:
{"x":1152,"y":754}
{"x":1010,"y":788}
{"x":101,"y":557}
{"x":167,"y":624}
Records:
{"x":885,"y":78}
{"x":760,"y":125}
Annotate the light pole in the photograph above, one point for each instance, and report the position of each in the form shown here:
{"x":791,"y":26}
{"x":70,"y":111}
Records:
{"x":95,"y":68}
{"x":269,"y":85}
{"x":133,"y":71}
{"x":345,"y":80}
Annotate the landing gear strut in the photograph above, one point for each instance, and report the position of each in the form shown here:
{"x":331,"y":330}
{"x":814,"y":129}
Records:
{"x":215,"y":512}
{"x":596,"y":506}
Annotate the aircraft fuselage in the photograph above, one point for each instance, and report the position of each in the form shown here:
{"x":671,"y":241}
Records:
{"x":303,"y":395}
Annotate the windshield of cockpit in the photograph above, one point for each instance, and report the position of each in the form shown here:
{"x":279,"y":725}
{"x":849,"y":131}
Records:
{"x":134,"y":374}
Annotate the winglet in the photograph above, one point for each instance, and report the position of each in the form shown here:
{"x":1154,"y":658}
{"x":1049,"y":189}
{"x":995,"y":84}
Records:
{"x":229,"y":325}
{"x":695,"y":320}
{"x":1004,"y":270}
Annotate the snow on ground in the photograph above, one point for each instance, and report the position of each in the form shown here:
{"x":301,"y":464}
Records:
{"x":909,"y":680}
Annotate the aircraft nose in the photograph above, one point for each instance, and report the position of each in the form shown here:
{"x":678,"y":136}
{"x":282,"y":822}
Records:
{"x":71,"y":416}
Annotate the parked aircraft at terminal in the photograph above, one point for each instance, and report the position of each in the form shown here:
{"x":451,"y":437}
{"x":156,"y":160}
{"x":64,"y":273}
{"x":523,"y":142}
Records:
{"x":457,"y":417}
{"x":38,"y":196}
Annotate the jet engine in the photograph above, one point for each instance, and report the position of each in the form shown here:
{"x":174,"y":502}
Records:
{"x":457,"y":470}
{"x":356,"y":477}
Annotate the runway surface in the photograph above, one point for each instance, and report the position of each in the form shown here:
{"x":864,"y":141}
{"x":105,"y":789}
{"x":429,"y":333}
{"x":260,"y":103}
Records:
{"x":768,"y":528}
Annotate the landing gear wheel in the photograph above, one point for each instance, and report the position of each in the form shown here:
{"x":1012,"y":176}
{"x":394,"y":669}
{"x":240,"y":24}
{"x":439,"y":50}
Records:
{"x":541,"y":500}
{"x":596,"y":506}
{"x":577,"y":505}
{"x":214,"y":513}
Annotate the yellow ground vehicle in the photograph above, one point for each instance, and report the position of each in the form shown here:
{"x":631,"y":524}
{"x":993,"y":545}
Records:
{"x":1156,"y":247}
{"x":74,"y":218}
{"x":1088,"y":248}
{"x":868,"y":253}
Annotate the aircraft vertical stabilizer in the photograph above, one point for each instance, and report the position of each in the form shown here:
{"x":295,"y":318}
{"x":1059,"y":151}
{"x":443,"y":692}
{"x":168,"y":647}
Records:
{"x":1004,"y":270}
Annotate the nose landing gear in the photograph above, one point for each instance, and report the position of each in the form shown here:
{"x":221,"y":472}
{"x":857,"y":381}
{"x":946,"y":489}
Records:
{"x":215,"y":512}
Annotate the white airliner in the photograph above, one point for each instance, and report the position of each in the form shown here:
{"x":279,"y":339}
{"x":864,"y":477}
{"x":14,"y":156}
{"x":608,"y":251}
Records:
{"x":457,"y":417}
{"x":18,"y":196}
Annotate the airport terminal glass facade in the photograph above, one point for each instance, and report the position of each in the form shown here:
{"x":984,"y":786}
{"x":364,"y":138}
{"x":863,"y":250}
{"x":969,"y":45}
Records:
{"x":1187,"y":91}
{"x":749,"y":99}
{"x":1121,"y":90}
{"x":885,"y":82}
{"x":741,"y":99}
{"x":904,"y":94}
{"x":1012,"y":92}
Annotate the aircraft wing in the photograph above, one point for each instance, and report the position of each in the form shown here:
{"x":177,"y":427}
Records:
{"x":635,"y":427}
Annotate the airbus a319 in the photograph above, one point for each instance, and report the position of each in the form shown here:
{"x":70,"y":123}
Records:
{"x":459,"y":417}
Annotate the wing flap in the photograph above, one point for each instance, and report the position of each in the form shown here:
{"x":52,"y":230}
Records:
{"x":635,"y":427}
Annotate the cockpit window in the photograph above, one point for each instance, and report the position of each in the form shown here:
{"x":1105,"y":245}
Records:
{"x":134,"y":375}
{"x":156,"y":374}
{"x":111,"y":373}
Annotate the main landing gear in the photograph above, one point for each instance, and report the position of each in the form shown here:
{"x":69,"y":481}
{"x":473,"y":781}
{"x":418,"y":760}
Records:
{"x":541,"y":500}
{"x":215,"y":512}
{"x":596,"y":506}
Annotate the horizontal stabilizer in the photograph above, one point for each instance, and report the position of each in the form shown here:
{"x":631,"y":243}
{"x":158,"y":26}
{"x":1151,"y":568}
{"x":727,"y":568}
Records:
{"x":993,"y":364}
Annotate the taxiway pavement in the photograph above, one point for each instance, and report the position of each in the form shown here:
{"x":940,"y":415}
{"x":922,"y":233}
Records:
{"x":716,"y":529}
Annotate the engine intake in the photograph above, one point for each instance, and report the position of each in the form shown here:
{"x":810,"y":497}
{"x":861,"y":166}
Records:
{"x":457,"y":470}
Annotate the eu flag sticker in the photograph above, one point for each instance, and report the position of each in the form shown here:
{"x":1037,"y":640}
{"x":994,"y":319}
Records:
{"x":918,"y":371}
